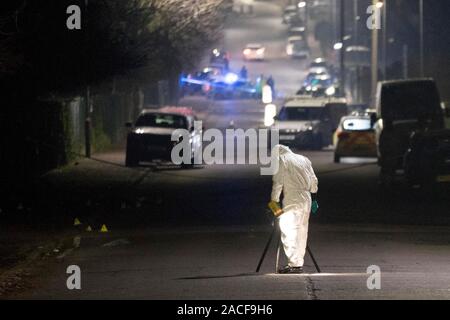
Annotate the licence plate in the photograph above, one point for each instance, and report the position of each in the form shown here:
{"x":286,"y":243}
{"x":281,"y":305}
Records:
{"x":287,"y":137}
{"x":443,"y":178}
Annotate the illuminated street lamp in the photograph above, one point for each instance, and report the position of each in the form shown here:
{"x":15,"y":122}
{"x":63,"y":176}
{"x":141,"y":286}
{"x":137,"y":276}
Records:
{"x":302,"y":5}
{"x":338,"y":46}
{"x":422,"y":52}
{"x":378,"y":4}
{"x":342,"y":38}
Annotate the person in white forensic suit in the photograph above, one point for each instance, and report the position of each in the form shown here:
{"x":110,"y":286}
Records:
{"x":297,"y":181}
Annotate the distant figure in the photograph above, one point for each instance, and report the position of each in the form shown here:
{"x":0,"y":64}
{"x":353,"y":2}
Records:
{"x":226,"y":64}
{"x":271,"y":83}
{"x":259,"y":85}
{"x":244,"y":72}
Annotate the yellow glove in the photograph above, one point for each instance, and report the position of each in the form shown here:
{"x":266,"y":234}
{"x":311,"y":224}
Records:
{"x":275,"y":208}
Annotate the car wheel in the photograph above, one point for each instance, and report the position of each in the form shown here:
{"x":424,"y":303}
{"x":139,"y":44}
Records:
{"x":337,"y":159}
{"x":318,"y":144}
{"x":386,"y":177}
{"x":131,"y":157}
{"x":131,"y":160}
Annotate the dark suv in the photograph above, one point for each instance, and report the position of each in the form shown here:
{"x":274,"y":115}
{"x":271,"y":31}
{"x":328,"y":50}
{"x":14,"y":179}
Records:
{"x":411,"y":122}
{"x":427,"y":160}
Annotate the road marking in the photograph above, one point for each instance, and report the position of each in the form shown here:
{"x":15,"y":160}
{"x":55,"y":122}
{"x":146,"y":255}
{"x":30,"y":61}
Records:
{"x":318,"y":275}
{"x":65,"y":253}
{"x":116,"y":243}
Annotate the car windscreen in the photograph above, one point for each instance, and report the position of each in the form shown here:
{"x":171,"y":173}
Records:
{"x":357,"y":124}
{"x":299,"y":45}
{"x":161,"y":121}
{"x":290,"y":10}
{"x":300,"y":114}
{"x":321,"y":82}
{"x":318,"y":65}
{"x":410,"y":100}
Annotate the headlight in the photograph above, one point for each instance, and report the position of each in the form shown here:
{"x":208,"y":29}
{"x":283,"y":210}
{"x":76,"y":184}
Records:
{"x":331,"y":91}
{"x":289,"y":51}
{"x":247,"y":52}
{"x":139,"y":131}
{"x":260,"y":51}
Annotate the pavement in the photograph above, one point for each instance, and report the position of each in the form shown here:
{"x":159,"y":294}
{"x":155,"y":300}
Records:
{"x":198,"y":233}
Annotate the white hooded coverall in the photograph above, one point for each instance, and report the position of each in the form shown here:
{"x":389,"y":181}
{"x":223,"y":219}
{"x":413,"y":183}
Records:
{"x":297,"y":180}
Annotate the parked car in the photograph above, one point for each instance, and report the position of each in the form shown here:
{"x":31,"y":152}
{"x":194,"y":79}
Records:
{"x":427,"y":160}
{"x":254,"y":52}
{"x":404,"y":107}
{"x":319,"y":85}
{"x":319,"y":63}
{"x":355,"y":137}
{"x":150,"y":138}
{"x":296,"y":31}
{"x":297,"y":47}
{"x":289,"y":13}
{"x":320,"y":7}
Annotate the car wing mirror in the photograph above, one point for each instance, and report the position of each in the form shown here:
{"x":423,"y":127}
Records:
{"x":128,"y":125}
{"x":373,"y":120}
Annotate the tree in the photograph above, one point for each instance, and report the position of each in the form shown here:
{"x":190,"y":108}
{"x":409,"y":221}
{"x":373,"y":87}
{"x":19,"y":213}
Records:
{"x":116,"y":38}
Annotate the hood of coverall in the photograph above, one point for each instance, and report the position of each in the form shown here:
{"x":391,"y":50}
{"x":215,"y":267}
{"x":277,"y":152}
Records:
{"x":280,"y":152}
{"x":301,"y":174}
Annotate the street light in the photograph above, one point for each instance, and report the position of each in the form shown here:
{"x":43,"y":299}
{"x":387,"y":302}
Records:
{"x":87,"y":121}
{"x":422,"y":66}
{"x":384,"y":54}
{"x":342,"y":39}
{"x":377,"y":4}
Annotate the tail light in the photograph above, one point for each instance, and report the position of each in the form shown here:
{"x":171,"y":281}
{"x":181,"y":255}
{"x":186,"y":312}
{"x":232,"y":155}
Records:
{"x":343,"y":135}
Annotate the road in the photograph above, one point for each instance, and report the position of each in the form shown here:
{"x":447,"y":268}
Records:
{"x":265,"y":27}
{"x":198,"y":234}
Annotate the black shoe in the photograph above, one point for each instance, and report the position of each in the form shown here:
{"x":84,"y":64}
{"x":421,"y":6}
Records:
{"x":291,"y":270}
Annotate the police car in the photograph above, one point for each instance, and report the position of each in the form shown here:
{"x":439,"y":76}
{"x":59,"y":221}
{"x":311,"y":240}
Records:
{"x":355,"y":137}
{"x":306,"y":122}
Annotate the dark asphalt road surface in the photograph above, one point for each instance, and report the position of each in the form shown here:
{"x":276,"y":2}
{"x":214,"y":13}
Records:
{"x":198,"y":233}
